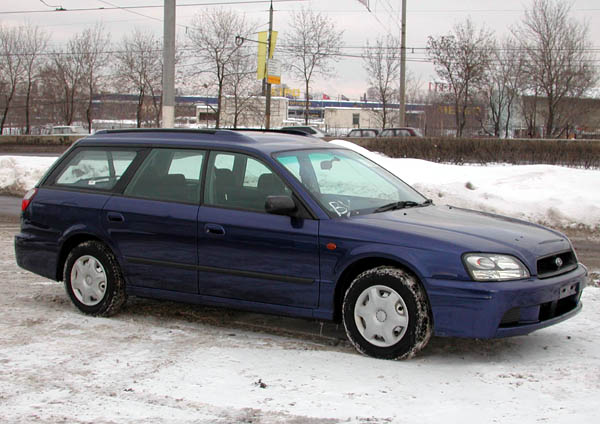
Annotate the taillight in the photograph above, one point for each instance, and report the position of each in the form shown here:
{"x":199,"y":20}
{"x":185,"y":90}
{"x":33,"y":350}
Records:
{"x":28,"y":198}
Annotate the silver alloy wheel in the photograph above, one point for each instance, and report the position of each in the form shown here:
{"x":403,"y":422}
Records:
{"x":88,"y":280}
{"x":381,"y":316}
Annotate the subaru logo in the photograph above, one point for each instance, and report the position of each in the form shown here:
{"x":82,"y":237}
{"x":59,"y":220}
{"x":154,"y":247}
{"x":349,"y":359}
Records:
{"x":558,"y":262}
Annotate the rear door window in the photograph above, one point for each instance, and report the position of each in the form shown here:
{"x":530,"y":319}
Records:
{"x":170,"y":175}
{"x":95,"y":169}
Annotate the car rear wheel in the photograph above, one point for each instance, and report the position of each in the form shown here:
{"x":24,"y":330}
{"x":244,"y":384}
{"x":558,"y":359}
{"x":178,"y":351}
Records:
{"x":386,"y":314}
{"x":93,"y":279}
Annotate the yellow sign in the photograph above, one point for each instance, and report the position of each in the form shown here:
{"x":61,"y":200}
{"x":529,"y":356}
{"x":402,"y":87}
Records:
{"x":263,"y":41}
{"x":285,"y":92}
{"x":274,"y":72}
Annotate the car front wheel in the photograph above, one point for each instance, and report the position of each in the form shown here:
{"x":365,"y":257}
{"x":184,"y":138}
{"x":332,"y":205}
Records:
{"x":386,"y":314}
{"x":93,"y":279}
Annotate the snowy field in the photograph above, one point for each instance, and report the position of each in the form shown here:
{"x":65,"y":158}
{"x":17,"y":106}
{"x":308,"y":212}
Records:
{"x":164,"y":362}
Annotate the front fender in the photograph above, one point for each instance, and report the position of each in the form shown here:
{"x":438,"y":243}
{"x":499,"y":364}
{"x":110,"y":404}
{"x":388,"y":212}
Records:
{"x":423,"y":263}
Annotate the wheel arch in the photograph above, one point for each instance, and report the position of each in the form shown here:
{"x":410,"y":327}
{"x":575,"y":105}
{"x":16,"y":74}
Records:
{"x":355,"y":268}
{"x":68,"y":245}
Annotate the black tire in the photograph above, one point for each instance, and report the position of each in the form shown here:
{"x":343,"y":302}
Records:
{"x":103,"y":297}
{"x":393,"y":286}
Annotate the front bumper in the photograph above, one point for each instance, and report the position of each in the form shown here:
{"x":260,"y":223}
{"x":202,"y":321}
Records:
{"x":502,"y":309}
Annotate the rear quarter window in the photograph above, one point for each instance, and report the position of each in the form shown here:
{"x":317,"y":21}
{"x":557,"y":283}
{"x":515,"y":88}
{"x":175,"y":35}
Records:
{"x":94,"y":169}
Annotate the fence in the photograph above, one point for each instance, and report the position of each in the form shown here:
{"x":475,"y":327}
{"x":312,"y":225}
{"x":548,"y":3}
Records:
{"x":571,"y":153}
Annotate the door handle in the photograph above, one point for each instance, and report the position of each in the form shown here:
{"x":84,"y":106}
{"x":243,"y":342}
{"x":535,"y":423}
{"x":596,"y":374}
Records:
{"x":214,"y":229}
{"x":115,"y":217}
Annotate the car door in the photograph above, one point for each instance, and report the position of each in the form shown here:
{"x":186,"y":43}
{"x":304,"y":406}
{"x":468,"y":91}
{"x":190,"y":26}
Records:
{"x":245,"y":253}
{"x":154,"y":223}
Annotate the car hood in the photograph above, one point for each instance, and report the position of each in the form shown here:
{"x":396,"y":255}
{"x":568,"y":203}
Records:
{"x":455,"y":229}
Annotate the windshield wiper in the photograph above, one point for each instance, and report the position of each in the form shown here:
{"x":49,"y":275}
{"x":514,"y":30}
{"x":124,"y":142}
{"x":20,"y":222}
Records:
{"x":401,"y":205}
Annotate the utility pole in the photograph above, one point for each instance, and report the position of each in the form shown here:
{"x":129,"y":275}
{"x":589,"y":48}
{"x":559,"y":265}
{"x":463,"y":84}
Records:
{"x":168,"y":91}
{"x":268,"y":93}
{"x":402,"y":99}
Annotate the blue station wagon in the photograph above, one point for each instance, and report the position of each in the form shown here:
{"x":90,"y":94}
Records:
{"x":288,"y":224}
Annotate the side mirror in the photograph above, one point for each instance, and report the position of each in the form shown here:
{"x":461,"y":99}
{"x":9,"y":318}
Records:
{"x":280,"y":205}
{"x":328,"y":164}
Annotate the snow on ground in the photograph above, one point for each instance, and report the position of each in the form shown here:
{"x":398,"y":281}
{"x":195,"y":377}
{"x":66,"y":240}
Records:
{"x":552,"y":195}
{"x":164,"y":362}
{"x":20,"y":173}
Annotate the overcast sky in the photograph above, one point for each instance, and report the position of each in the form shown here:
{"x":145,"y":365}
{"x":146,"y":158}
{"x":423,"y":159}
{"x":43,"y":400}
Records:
{"x":424,"y":18}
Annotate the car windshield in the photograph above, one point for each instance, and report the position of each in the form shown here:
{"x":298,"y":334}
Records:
{"x":346,"y":183}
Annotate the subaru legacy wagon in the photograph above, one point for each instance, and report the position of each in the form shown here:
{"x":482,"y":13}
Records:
{"x":292,"y":225}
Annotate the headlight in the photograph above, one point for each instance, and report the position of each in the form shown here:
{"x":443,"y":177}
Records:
{"x":494,"y":267}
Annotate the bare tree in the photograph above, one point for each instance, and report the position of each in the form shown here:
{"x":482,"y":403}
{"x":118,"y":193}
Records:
{"x":241,"y":83}
{"x":88,"y":49}
{"x":529,"y":110}
{"x":514,"y":80}
{"x":311,"y":46}
{"x":461,"y":59}
{"x":213,"y":36}
{"x":67,"y":74}
{"x":138,"y":69}
{"x":11,"y":66}
{"x":559,"y":57}
{"x":382,"y":64}
{"x":414,"y":88}
{"x":35,"y":44}
{"x":503,"y":86}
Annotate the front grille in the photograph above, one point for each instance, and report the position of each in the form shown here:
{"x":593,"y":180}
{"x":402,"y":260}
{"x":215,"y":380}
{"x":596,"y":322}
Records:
{"x":556,"y":264}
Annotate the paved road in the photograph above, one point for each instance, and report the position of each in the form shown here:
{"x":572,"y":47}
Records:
{"x":10,"y":206}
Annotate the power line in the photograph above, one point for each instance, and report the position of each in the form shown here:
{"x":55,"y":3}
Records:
{"x":130,"y":11}
{"x":410,"y":50}
{"x":46,"y":4}
{"x":91,"y":9}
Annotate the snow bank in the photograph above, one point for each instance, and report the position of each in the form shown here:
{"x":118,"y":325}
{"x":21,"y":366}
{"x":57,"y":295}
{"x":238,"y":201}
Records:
{"x":20,"y":173}
{"x":552,"y":195}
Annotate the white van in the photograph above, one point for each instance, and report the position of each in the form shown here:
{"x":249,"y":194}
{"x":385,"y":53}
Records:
{"x":68,"y":130}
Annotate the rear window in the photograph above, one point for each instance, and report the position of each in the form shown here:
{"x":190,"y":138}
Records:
{"x":95,"y":169}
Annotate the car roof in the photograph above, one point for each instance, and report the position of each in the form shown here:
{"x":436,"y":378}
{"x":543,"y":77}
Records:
{"x":243,"y":139}
{"x":400,"y":128}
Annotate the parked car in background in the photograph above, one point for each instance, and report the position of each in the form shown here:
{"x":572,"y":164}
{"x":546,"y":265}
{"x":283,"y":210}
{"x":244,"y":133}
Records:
{"x":315,"y":132}
{"x":291,"y":225}
{"x":363,"y":132}
{"x":68,"y":130}
{"x":400,"y":132}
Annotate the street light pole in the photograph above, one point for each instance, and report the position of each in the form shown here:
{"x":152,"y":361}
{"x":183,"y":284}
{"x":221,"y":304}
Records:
{"x":268,"y":93}
{"x":402,"y":99}
{"x":168,"y":92}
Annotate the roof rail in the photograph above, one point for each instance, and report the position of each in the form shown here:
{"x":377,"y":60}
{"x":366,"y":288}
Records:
{"x":201,"y":131}
{"x":278,"y":131}
{"x":167,"y":130}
